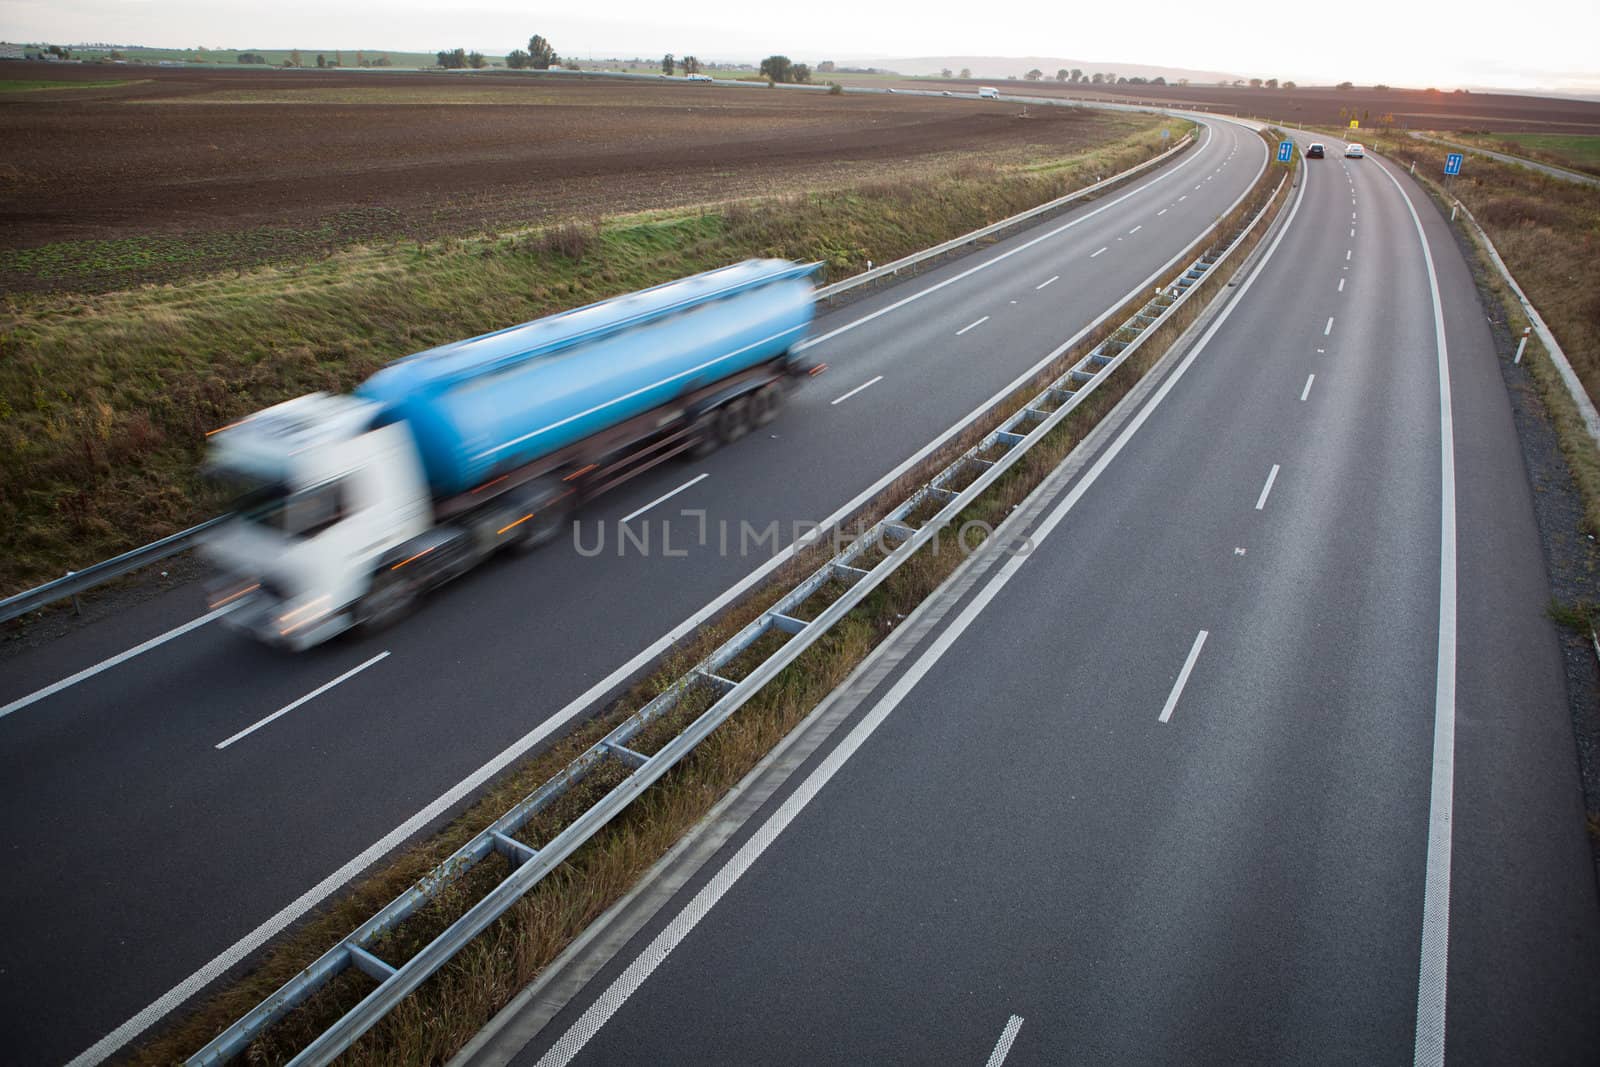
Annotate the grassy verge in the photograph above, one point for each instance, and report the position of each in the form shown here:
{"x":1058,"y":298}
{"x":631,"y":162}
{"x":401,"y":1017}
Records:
{"x":1579,"y":152}
{"x":451,"y":1006}
{"x":1548,"y":232}
{"x":105,"y":399}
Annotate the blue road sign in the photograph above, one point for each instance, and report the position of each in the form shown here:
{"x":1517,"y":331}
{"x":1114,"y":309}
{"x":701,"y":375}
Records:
{"x":1285,"y":151}
{"x":1452,"y":163}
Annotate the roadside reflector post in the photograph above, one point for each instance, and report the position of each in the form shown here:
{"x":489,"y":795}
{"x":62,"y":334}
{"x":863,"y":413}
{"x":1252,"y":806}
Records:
{"x":1522,"y":343}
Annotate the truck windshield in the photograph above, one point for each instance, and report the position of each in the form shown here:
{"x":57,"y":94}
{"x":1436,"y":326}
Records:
{"x":302,"y":513}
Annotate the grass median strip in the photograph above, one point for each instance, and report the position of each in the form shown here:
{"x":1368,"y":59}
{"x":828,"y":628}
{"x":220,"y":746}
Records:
{"x":453,"y":1004}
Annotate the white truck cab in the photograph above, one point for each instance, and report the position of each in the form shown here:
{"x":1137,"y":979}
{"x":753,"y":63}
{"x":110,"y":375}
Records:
{"x":320,"y":497}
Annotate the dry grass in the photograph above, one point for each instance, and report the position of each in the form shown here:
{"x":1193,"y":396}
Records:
{"x":456,"y":1002}
{"x":105,"y":399}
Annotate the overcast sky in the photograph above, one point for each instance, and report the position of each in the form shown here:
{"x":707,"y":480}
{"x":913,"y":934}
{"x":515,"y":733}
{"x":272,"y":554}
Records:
{"x":1529,"y":44}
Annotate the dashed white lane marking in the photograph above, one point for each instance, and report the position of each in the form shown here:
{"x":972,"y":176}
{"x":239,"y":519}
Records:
{"x":1347,"y":254}
{"x":667,"y":496}
{"x":1136,"y":229}
{"x":1002,"y":1047}
{"x":1272,"y":476}
{"x":1307,"y":390}
{"x":856,"y":390}
{"x":1183,"y":677}
{"x":287,"y":708}
{"x":1163,"y":211}
{"x":1185,"y":196}
{"x":1352,"y":231}
{"x":1093,"y":254}
{"x":1047,"y":281}
{"x":121,"y":657}
{"x":972,"y":325}
{"x":1326,"y":330}
{"x":1341,"y":285}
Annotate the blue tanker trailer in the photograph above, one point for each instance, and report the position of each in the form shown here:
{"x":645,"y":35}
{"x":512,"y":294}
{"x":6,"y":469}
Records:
{"x":348,"y":507}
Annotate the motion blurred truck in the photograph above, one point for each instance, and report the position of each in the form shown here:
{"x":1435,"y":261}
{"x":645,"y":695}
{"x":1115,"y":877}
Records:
{"x":348,"y":507}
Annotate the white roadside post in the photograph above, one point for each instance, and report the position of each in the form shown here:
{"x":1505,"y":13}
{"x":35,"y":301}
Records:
{"x":1526,"y":330}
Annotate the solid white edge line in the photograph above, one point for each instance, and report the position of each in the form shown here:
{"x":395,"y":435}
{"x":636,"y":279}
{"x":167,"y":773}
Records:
{"x":1002,"y":1047}
{"x":1047,"y":281}
{"x":1434,"y":973}
{"x":634,"y":975}
{"x":287,"y":708}
{"x":1272,"y":476}
{"x":1183,"y":676}
{"x":1007,"y":254}
{"x":292,"y":911}
{"x":702,"y":476}
{"x":971,"y":325}
{"x":857,"y":389}
{"x":121,"y":657}
{"x":1307,"y":390}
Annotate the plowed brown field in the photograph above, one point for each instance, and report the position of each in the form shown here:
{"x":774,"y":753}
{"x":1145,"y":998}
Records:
{"x":243,"y":165}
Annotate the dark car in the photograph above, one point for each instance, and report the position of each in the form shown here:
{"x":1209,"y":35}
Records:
{"x":1314,"y":151}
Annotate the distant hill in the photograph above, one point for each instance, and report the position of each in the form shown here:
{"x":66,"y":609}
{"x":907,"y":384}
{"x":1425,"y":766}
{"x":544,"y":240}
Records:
{"x":1005,"y":66}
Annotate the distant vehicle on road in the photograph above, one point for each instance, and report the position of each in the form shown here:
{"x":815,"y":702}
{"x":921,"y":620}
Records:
{"x":1315,"y":150}
{"x":1354,"y":151}
{"x":947,"y":92}
{"x":988,"y":92}
{"x":349,"y":507}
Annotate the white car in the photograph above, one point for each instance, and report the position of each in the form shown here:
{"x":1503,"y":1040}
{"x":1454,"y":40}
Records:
{"x":1354,"y":151}
{"x":697,"y":77}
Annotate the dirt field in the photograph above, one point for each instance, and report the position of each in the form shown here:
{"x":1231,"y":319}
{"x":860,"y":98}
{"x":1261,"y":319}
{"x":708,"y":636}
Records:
{"x":1414,"y":109}
{"x":174,"y":171}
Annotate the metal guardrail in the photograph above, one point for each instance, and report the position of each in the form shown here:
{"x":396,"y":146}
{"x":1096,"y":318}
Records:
{"x":1569,"y":377}
{"x":901,"y":264}
{"x":76,"y":582}
{"x":899,"y":529}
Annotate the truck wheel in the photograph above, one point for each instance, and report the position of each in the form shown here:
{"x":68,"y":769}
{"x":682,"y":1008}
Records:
{"x":705,"y":436}
{"x":388,"y":601}
{"x":550,"y":503}
{"x":768,"y":402}
{"x":733,"y":420}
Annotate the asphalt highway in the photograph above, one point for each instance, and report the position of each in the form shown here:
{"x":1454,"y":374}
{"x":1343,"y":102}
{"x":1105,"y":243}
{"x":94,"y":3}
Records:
{"x":164,"y":810}
{"x":1266,"y":760}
